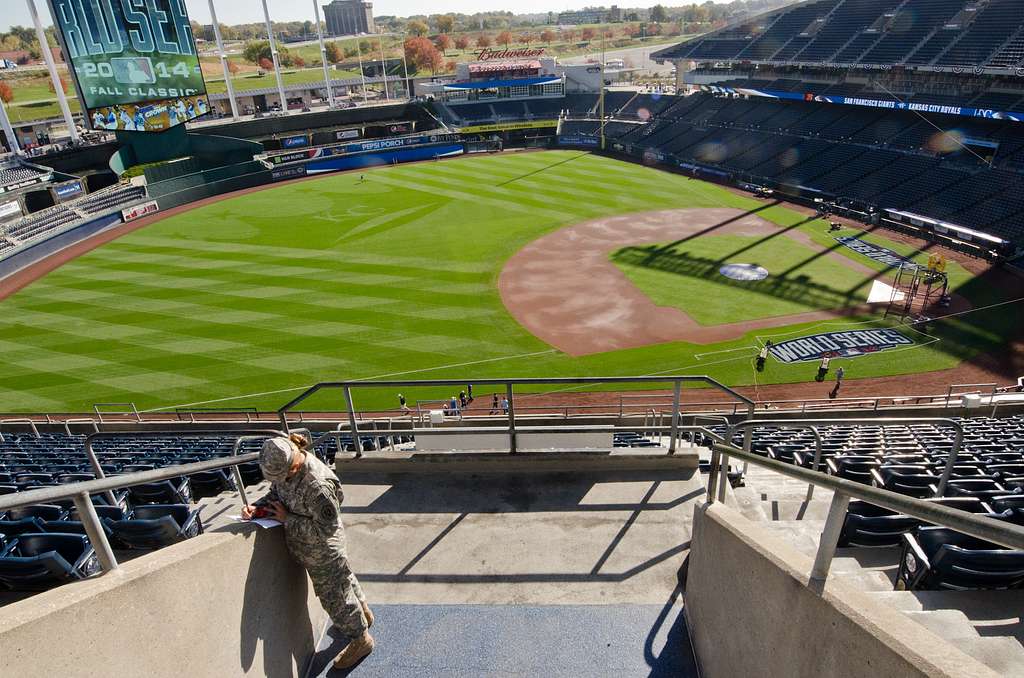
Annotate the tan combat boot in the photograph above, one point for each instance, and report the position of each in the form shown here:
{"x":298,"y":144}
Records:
{"x":354,"y":652}
{"x":368,"y":613}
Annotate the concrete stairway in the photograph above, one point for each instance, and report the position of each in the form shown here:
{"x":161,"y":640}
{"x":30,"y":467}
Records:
{"x":987,"y":625}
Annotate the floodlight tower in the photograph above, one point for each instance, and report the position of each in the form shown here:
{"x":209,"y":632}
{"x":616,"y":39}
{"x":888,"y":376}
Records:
{"x":44,"y":47}
{"x":273,"y":54}
{"x":323,"y":55}
{"x":223,"y":61}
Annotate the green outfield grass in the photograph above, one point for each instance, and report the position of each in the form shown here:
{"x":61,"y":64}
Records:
{"x":395,"y":276}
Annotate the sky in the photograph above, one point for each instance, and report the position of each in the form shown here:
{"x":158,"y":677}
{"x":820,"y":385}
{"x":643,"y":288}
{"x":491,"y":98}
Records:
{"x":250,"y":11}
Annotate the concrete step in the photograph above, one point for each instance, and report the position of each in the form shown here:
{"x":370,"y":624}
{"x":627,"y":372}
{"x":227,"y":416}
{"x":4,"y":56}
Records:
{"x":951,"y":625}
{"x":864,"y":580}
{"x":795,"y":509}
{"x":1003,"y":655}
{"x":749,"y":504}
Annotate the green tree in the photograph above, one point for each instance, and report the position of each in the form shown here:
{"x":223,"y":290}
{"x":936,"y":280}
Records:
{"x":445,"y":23}
{"x":417,"y":28}
{"x":659,"y":14}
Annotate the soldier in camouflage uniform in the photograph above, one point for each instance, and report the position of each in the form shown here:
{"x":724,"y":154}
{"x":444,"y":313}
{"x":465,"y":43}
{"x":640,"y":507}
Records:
{"x":306,"y":496}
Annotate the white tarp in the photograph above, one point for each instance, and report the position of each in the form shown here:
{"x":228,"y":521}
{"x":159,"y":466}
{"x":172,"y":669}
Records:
{"x":883,"y":294}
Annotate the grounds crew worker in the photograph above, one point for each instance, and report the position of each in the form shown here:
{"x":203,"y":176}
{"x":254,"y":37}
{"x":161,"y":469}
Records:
{"x":306,"y":497}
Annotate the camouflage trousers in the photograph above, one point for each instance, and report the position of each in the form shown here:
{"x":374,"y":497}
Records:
{"x":339,"y":592}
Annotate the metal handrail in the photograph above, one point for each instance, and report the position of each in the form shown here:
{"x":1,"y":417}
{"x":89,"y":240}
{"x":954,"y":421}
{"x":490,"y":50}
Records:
{"x":811,"y":424}
{"x":509,"y":383}
{"x":987,"y":529}
{"x":85,"y":420}
{"x":21,"y":420}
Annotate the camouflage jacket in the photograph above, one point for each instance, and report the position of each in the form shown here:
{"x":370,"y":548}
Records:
{"x":313,"y":497}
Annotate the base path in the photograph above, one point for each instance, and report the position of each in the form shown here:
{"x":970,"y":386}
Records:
{"x":566,"y":291}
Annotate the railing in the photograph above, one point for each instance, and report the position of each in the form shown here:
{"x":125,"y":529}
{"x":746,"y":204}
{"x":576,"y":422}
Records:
{"x":988,"y":529}
{"x":509,"y":384}
{"x":81,"y":492}
{"x":813,"y":424}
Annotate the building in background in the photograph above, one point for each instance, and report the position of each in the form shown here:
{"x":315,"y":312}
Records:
{"x":591,"y":15}
{"x":349,"y":17}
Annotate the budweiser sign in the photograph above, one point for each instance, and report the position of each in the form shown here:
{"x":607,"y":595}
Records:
{"x":491,"y":54}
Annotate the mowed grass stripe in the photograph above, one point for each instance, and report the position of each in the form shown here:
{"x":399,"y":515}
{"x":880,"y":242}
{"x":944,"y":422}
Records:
{"x":336,"y":279}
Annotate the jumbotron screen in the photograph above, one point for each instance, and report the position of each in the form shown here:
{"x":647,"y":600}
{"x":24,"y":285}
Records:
{"x":135,"y":62}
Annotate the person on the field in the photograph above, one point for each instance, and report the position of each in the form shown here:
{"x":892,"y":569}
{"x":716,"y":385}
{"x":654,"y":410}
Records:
{"x":494,"y":404}
{"x":823,"y":368}
{"x":762,"y":357}
{"x":305,"y":496}
{"x":504,"y":405}
{"x":463,"y":401}
{"x":401,"y":403}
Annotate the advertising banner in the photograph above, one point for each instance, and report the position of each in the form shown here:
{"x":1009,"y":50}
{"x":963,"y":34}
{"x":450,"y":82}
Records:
{"x":288,"y":173}
{"x":851,"y":344}
{"x":508,"y":126}
{"x":9,"y":210}
{"x":135,"y":63}
{"x":68,"y":191}
{"x":295,"y":142}
{"x":967,"y":111}
{"x":578,"y":140}
{"x":139,"y":211}
{"x":346,"y":134}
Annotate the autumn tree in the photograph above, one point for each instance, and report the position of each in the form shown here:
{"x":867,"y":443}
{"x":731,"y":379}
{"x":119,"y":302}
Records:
{"x":462,"y":42}
{"x":233,"y":67}
{"x":334,"y":54}
{"x":298,"y":62}
{"x":63,"y":85}
{"x":588,"y":34}
{"x":483,"y":40}
{"x":422,"y":54}
{"x":6,"y":93}
{"x":547,"y":36}
{"x":504,"y":38}
{"x":266,"y":64}
{"x":443,"y":42}
{"x":526,"y":38}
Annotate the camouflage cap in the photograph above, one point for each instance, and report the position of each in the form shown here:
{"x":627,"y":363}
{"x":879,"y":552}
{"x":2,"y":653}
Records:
{"x":276,"y":459}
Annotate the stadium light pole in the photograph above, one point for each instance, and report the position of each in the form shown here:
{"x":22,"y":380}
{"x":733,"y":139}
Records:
{"x":273,"y":54}
{"x":362,"y":73}
{"x":224,"y":61}
{"x":383,"y":67}
{"x":405,"y":72}
{"x":51,"y":66}
{"x":5,"y":124}
{"x":323,"y":55}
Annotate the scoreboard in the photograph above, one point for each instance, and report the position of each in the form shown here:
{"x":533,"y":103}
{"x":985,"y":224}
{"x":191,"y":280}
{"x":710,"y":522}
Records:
{"x":135,"y":62}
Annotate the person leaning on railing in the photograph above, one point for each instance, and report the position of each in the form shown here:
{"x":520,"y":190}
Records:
{"x":305,"y":496}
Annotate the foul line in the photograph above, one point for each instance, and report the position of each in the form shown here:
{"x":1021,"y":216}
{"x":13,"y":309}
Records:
{"x":379,"y":376}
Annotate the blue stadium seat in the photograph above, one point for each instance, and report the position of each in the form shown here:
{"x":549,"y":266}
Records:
{"x":941,"y":558}
{"x":13,"y":528}
{"x":34,"y":562}
{"x":164,"y":492}
{"x":41,"y":511}
{"x":157,"y":525}
{"x":210,"y":483}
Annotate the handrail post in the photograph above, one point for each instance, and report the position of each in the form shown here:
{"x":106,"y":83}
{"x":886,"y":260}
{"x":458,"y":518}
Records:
{"x":97,"y":470}
{"x":947,"y":472}
{"x":676,"y":393}
{"x":352,"y":421}
{"x":830,"y":537}
{"x":94,"y":529}
{"x":817,"y":459}
{"x":513,"y":444}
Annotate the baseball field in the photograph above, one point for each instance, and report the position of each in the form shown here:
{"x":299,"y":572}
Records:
{"x":532,"y":264}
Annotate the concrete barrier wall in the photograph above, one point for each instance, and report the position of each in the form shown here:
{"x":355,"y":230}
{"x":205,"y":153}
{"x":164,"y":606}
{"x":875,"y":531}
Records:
{"x":751,"y":613}
{"x":227,"y":603}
